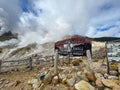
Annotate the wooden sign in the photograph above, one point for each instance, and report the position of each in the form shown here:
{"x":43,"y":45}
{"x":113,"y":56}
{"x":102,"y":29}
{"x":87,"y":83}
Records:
{"x":113,"y":51}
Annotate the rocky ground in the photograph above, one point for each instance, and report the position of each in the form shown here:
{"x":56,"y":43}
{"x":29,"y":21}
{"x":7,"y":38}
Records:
{"x":72,"y":76}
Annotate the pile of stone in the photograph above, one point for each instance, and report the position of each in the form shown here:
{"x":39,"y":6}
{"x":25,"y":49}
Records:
{"x":75,"y":78}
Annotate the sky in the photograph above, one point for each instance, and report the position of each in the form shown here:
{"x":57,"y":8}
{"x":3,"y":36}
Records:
{"x":41,"y":21}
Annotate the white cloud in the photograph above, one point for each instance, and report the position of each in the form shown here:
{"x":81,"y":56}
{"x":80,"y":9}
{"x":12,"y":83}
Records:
{"x":49,"y":20}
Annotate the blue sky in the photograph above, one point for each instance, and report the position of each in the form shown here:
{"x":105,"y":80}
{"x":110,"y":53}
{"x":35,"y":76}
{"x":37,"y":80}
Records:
{"x":57,"y":18}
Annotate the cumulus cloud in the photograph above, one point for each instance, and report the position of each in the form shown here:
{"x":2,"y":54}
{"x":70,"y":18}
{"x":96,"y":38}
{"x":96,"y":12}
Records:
{"x":49,"y":20}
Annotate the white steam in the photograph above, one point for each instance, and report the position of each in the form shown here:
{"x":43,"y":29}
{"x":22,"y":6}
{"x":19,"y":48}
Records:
{"x":50,"y":20}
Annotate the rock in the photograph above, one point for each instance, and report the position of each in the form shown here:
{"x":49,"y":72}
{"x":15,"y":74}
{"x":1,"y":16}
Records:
{"x":79,"y":73}
{"x":109,"y":83}
{"x":40,"y":82}
{"x":98,"y":83}
{"x":103,"y":72}
{"x":114,"y":66}
{"x":51,"y":71}
{"x":116,"y":87}
{"x":55,"y":80}
{"x":76,"y":62}
{"x":42,"y":86}
{"x":69,"y":76}
{"x":74,"y":69}
{"x":71,"y":82}
{"x":2,"y":80}
{"x":90,"y":76}
{"x":41,"y":76}
{"x":32,"y":81}
{"x":85,"y":70}
{"x":83,"y":77}
{"x":35,"y":84}
{"x":119,"y":76}
{"x":47,"y":79}
{"x":77,"y":77}
{"x":83,"y":85}
{"x":1,"y":86}
{"x":113,"y":77}
{"x":59,"y":87}
{"x":17,"y":83}
{"x":99,"y":75}
{"x":114,"y":73}
{"x":71,"y":88}
{"x":66,"y":71}
{"x":107,"y":88}
{"x":10,"y":84}
{"x":62,"y":76}
{"x":7,"y":81}
{"x":106,"y":76}
{"x":119,"y":68}
{"x":27,"y":87}
{"x":64,"y":81}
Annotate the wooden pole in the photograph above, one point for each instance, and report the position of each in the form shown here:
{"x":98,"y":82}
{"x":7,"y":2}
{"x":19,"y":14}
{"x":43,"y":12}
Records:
{"x":90,"y":64}
{"x":30,"y":63}
{"x":108,"y":66}
{"x":69,"y":58}
{"x":0,"y":65}
{"x":56,"y":62}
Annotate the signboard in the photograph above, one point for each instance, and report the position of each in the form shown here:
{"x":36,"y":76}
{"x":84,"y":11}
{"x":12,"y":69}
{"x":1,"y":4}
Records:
{"x":113,"y":51}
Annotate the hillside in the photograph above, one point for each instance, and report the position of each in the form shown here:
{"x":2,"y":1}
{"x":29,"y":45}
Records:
{"x":7,"y":36}
{"x":72,"y":76}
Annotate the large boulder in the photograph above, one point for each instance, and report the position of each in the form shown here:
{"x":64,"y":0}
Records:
{"x":83,"y":85}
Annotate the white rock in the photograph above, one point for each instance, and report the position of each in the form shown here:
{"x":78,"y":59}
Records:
{"x":109,"y":83}
{"x":83,"y":85}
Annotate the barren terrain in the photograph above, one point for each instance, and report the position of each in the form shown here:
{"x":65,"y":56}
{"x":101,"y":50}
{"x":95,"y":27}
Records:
{"x":71,"y":75}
